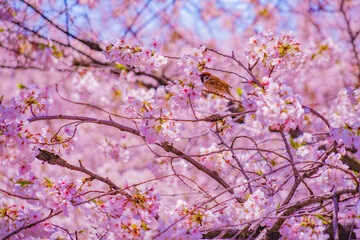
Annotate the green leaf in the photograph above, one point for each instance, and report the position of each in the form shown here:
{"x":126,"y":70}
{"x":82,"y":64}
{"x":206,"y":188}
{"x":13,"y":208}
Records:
{"x":293,"y":143}
{"x":322,"y":218}
{"x":120,"y":66}
{"x":48,"y":182}
{"x":21,"y":86}
{"x":144,"y":226}
{"x":239,"y":91}
{"x":23,"y":183}
{"x":273,"y":162}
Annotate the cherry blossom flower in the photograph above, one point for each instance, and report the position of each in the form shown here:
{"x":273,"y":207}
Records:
{"x":141,"y":57}
{"x":275,"y":52}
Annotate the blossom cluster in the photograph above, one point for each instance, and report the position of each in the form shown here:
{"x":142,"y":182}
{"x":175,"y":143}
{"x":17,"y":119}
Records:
{"x":116,"y":150}
{"x":32,"y":98}
{"x":349,"y":214}
{"x":15,"y":216}
{"x":345,"y":114}
{"x":16,"y":142}
{"x":29,"y":99}
{"x":333,"y":175}
{"x":61,"y":195}
{"x":277,"y":105}
{"x":347,"y":136}
{"x":30,"y":52}
{"x":123,"y":217}
{"x":224,"y":126}
{"x":306,"y":227}
{"x":193,"y":219}
{"x":85,"y":82}
{"x":323,"y":54}
{"x":188,"y":88}
{"x":156,"y":124}
{"x":275,"y":52}
{"x":257,"y":206}
{"x":56,"y":195}
{"x":143,"y":58}
{"x":215,"y":159}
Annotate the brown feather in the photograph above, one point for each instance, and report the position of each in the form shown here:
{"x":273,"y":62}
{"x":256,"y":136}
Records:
{"x":215,"y":84}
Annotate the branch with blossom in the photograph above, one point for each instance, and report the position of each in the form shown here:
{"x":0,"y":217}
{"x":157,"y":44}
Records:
{"x":123,"y":139}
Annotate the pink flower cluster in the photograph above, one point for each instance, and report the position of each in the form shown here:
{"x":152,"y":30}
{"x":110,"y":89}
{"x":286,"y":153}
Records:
{"x":349,"y":215}
{"x":156,"y":124}
{"x":59,"y":195}
{"x":224,"y":126}
{"x":331,"y":176}
{"x":303,"y":228}
{"x":143,"y":58}
{"x":121,"y":217}
{"x":116,"y":150}
{"x":15,"y":216}
{"x":282,"y":52}
{"x":257,"y":206}
{"x":323,"y":54}
{"x":16,"y":142}
{"x":31,"y":98}
{"x":215,"y":159}
{"x":50,"y":196}
{"x":349,"y":137}
{"x":193,"y":220}
{"x":86,"y":82}
{"x":189,"y":87}
{"x":277,"y":105}
{"x":345,"y":114}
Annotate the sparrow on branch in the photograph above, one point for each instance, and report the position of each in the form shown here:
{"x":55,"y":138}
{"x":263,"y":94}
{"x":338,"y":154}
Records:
{"x":215,"y":85}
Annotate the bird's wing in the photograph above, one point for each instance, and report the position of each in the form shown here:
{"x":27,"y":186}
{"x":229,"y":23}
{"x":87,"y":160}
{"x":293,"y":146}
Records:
{"x":221,"y":83}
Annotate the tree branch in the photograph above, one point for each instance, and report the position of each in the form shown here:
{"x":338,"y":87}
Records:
{"x":91,"y":45}
{"x":166,"y":146}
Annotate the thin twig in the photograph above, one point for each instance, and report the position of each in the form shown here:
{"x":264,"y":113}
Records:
{"x":335,"y":215}
{"x":319,"y":115}
{"x":54,"y":159}
{"x":92,"y":45}
{"x":166,"y":146}
{"x":295,"y":171}
{"x":18,"y":196}
{"x":30,"y":225}
{"x":352,"y":38}
{"x":236,"y":159}
{"x":254,"y":79}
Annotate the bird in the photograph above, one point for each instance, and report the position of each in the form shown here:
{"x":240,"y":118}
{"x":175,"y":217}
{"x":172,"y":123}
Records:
{"x":214,"y":84}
